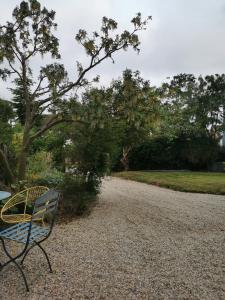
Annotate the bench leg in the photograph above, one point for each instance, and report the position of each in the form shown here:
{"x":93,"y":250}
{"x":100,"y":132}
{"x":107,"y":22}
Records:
{"x":43,"y":250}
{"x":46,"y":255}
{"x":13,"y":260}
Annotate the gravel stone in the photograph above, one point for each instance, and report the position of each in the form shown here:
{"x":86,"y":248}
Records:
{"x":140,"y":242}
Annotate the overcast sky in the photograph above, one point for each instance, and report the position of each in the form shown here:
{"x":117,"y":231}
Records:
{"x":184,"y":36}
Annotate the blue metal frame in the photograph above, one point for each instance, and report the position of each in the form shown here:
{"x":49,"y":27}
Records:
{"x":29,"y":233}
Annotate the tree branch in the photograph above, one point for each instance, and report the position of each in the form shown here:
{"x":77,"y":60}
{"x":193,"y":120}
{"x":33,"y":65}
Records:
{"x":11,"y":66}
{"x":76,"y":83}
{"x":51,"y":124}
{"x":38,"y":86}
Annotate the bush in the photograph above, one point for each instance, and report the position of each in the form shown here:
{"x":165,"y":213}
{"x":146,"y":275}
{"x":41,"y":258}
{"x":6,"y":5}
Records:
{"x":200,"y":153}
{"x":194,"y":153}
{"x":79,"y":192}
{"x":51,"y":179}
{"x":221,"y":154}
{"x":39,"y":162}
{"x":41,"y":171}
{"x":156,"y":154}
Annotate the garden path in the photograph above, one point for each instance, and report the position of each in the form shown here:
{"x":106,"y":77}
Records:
{"x":140,"y":242}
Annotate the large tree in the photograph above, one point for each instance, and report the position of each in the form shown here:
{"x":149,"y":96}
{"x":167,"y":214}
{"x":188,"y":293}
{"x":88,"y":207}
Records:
{"x":134,"y":109}
{"x":31,"y":34}
{"x":194,"y":106}
{"x":129,"y":106}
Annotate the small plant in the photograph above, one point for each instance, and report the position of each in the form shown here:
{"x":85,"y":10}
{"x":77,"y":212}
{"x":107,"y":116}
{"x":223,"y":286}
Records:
{"x":39,"y":162}
{"x":50,"y":178}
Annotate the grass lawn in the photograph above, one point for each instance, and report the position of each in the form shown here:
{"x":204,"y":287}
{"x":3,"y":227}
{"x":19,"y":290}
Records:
{"x":198,"y":182}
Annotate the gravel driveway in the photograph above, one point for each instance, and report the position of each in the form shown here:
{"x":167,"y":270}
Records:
{"x":140,"y":242}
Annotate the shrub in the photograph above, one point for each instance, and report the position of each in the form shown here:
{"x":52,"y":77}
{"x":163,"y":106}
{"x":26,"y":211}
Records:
{"x":79,"y":192}
{"x":155,"y":154}
{"x":200,"y":152}
{"x":194,"y":153}
{"x":50,"y":178}
{"x":39,"y":162}
{"x":41,"y":171}
{"x":221,"y":154}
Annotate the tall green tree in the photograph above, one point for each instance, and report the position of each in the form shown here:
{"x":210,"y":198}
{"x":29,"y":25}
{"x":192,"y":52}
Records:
{"x":135,"y":109}
{"x":96,"y":143}
{"x":195,"y":106}
{"x":31,"y":34}
{"x":127,"y":109}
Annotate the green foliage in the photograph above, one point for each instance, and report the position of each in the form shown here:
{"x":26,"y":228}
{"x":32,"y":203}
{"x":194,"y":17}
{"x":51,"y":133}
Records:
{"x":30,"y":20}
{"x":221,"y":154}
{"x":6,"y":111}
{"x":116,"y":119}
{"x":17,"y":139}
{"x":134,"y":108}
{"x":194,"y":106}
{"x":107,"y":43}
{"x":19,"y":100}
{"x":41,"y":170}
{"x":190,"y":126}
{"x":134,"y":104}
{"x":31,"y":34}
{"x":39,"y":162}
{"x":200,"y":152}
{"x":93,"y":150}
{"x":50,"y":178}
{"x":55,"y":141}
{"x":6,"y":116}
{"x":7,"y":158}
{"x":195,"y":153}
{"x":79,"y":192}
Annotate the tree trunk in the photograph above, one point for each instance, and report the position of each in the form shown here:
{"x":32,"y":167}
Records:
{"x":125,"y":159}
{"x":6,"y":168}
{"x":125,"y":163}
{"x":22,"y":165}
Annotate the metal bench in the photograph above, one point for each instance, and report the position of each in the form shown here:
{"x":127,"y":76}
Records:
{"x":32,"y":233}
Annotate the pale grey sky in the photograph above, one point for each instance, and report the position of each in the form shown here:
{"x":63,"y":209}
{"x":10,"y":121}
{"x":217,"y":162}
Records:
{"x":184,"y":36}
